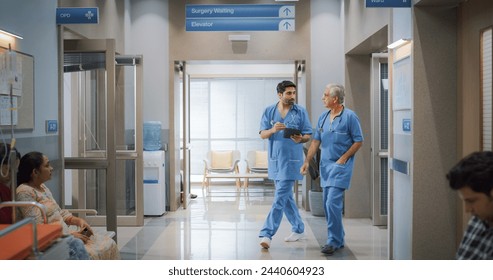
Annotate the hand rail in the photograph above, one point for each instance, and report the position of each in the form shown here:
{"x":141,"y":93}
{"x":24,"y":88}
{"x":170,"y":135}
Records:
{"x":82,"y":211}
{"x":26,"y":203}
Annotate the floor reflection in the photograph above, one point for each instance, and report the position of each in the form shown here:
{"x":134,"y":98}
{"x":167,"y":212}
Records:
{"x":224,"y":225}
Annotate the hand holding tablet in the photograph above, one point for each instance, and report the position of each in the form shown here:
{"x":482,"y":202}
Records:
{"x":288,"y":132}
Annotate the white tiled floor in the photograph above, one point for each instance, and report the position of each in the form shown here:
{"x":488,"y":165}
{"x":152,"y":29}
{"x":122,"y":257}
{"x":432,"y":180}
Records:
{"x":225,"y":224}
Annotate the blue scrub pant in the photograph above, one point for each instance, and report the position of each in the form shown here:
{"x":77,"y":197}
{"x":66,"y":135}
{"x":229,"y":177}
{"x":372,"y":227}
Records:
{"x":333,"y":203}
{"x":283,"y":203}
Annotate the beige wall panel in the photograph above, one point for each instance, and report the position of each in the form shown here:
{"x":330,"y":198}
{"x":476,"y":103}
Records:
{"x":263,"y":45}
{"x":361,"y":22}
{"x":434,"y":135}
{"x":474,"y":16}
{"x":209,"y":46}
{"x":357,"y":199}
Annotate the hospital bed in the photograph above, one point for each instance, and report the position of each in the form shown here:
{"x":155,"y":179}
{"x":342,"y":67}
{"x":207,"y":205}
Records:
{"x":26,"y":239}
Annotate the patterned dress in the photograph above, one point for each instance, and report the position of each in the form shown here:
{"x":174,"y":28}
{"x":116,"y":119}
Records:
{"x":99,"y":247}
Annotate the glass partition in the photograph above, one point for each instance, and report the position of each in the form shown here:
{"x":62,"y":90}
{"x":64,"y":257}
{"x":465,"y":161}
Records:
{"x":102,"y":132}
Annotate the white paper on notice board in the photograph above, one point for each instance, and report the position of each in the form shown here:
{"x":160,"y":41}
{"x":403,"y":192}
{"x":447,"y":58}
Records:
{"x":6,"y":107}
{"x":401,"y":94}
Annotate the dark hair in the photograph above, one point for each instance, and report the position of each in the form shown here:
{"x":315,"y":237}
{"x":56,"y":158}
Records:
{"x":29,"y":162}
{"x":5,"y":152}
{"x":281,"y":87}
{"x":474,"y":171}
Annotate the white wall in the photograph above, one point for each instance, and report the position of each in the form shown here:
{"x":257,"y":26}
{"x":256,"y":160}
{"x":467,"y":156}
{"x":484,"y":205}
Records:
{"x":35,"y":21}
{"x":147,"y":34}
{"x":40,"y":40}
{"x":402,"y":148}
{"x":327,"y":47}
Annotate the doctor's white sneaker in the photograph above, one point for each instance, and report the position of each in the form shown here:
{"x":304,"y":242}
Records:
{"x":265,"y":242}
{"x":294,"y":237}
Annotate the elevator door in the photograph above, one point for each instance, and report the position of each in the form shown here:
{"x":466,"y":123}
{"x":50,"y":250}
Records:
{"x":103,"y":133}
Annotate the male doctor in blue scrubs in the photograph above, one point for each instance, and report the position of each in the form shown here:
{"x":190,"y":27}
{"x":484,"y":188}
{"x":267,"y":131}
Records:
{"x":285,"y":160}
{"x":339,"y":132}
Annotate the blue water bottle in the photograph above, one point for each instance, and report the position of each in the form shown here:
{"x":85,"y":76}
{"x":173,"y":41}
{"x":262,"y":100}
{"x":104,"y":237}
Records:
{"x":152,"y":136}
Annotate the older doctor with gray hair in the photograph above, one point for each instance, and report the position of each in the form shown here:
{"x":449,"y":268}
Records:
{"x":339,"y":136}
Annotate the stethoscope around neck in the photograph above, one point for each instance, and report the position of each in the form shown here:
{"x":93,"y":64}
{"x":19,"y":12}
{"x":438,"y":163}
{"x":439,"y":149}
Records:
{"x":272,"y":113}
{"x":321,"y":128}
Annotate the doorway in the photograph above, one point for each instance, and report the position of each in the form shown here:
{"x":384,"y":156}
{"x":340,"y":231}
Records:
{"x":103,"y":133}
{"x":226,"y":94}
{"x":380,"y":138}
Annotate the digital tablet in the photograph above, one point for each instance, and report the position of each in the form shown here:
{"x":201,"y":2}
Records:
{"x":290,"y":131}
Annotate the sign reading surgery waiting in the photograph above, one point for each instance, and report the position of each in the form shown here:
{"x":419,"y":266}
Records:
{"x":388,"y":3}
{"x":240,"y":17}
{"x":77,"y":15}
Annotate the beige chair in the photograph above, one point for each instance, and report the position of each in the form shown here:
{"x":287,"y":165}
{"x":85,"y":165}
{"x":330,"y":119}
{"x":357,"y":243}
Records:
{"x":257,"y":162}
{"x":221,"y":162}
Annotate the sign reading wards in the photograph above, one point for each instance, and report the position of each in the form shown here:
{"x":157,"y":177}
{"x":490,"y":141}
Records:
{"x":240,"y":17}
{"x":388,"y":3}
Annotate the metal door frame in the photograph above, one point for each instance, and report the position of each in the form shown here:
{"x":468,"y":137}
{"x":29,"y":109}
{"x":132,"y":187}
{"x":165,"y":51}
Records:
{"x":185,"y":146}
{"x":377,"y":154}
{"x":112,"y":155}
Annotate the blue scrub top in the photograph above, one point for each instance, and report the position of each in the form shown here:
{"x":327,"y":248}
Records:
{"x":336,"y":138}
{"x":285,"y":156}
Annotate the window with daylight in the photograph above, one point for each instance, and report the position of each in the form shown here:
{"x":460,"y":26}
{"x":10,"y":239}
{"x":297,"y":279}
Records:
{"x":486,"y":88}
{"x":225,"y":114}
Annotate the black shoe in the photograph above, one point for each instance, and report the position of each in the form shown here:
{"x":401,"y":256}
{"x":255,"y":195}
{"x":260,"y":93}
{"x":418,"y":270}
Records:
{"x":193,"y":196}
{"x":328,"y":250}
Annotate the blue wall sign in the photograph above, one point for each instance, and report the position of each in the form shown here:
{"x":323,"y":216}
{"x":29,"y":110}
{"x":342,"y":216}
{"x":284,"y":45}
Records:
{"x":388,"y":3}
{"x":51,"y":126}
{"x":406,"y":125}
{"x":400,"y":166}
{"x":246,"y":24}
{"x":77,"y":15}
{"x":240,"y":17}
{"x":219,"y":11}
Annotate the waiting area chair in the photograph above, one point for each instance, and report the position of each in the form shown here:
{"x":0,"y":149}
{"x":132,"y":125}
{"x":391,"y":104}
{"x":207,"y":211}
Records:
{"x":218,"y":161}
{"x":257,"y":162}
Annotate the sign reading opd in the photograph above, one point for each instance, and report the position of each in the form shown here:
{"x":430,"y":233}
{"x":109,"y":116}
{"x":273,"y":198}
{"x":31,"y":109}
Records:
{"x":77,"y":15}
{"x":240,"y":17}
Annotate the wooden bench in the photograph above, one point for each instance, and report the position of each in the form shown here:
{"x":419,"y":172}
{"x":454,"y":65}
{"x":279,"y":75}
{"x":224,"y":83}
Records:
{"x":237,"y":176}
{"x":245,"y":176}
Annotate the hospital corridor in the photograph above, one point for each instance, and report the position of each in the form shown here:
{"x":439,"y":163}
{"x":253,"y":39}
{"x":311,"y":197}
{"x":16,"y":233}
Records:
{"x":224,"y":225}
{"x":175,"y":131}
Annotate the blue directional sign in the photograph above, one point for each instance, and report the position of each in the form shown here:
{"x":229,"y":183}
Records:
{"x":240,"y":25}
{"x":388,"y":3}
{"x":215,"y":11}
{"x":240,"y":17}
{"x":77,"y":15}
